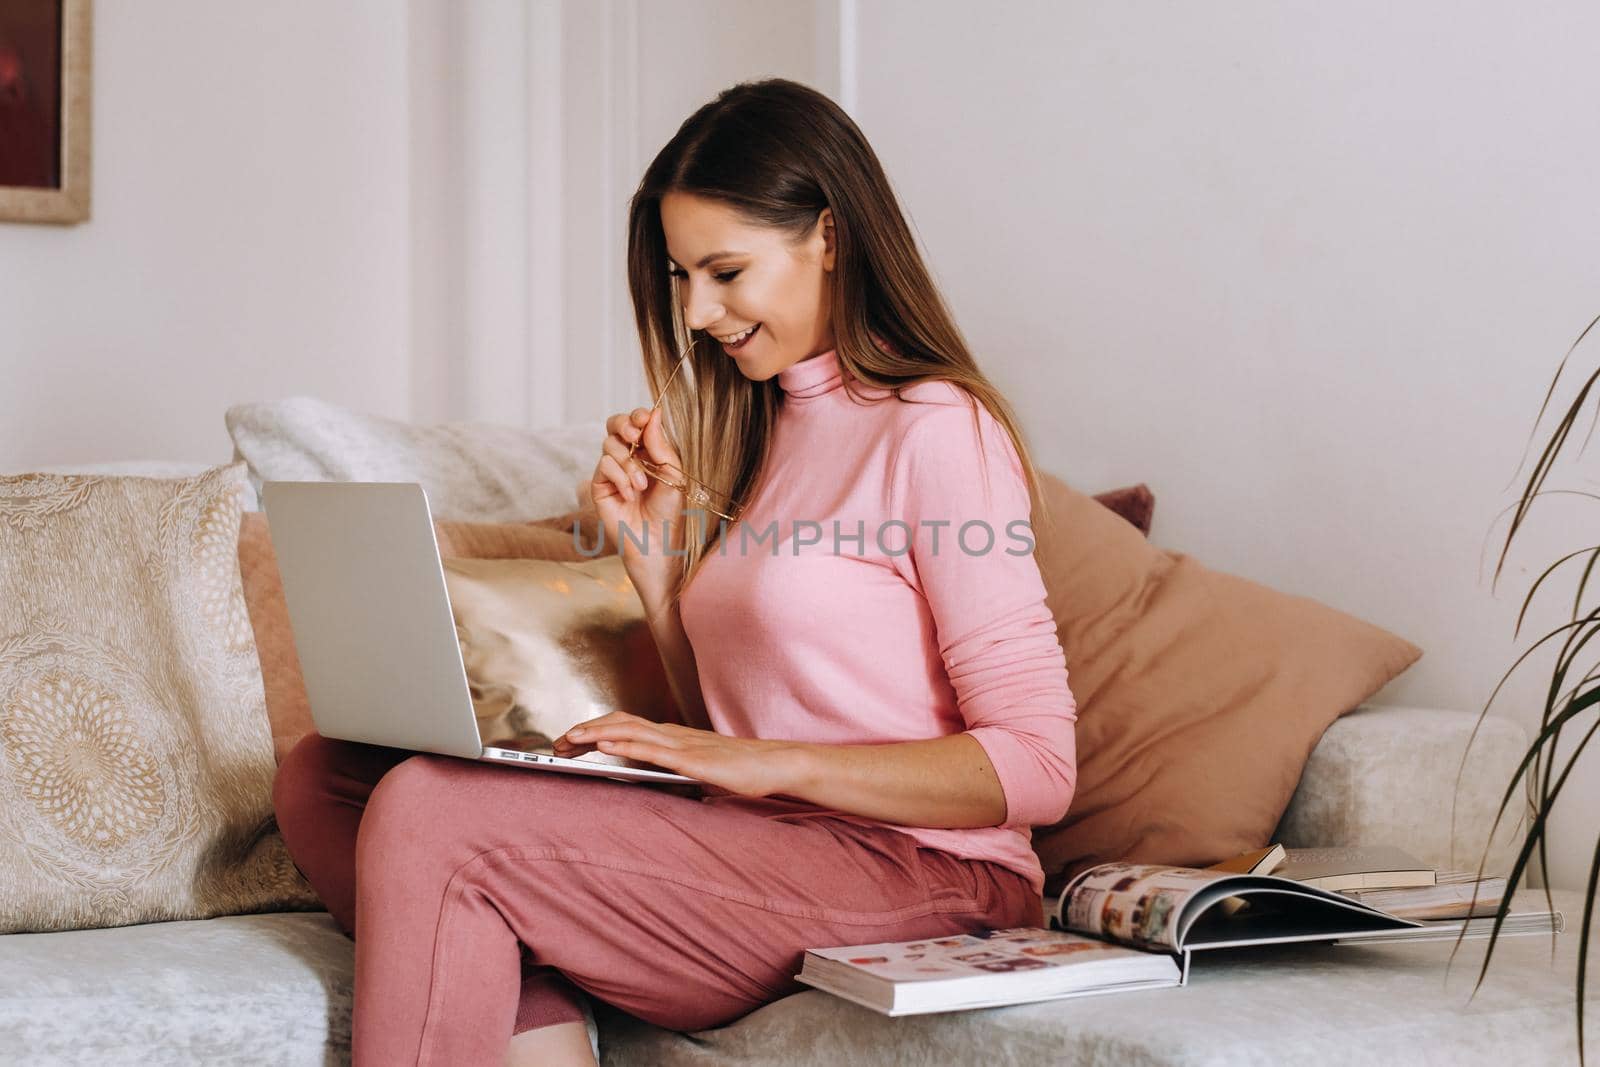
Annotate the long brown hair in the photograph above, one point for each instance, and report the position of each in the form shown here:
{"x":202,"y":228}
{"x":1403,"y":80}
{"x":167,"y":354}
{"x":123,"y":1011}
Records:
{"x":778,"y":153}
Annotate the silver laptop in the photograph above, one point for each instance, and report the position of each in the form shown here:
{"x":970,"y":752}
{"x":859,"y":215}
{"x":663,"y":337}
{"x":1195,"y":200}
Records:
{"x":372,"y":624}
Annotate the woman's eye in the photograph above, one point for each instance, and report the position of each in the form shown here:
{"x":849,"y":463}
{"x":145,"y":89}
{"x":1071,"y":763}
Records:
{"x":725,"y":277}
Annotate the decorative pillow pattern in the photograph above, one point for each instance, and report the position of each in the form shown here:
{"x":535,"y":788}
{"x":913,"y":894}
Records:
{"x":471,"y":472}
{"x":135,"y":762}
{"x":1200,"y":695}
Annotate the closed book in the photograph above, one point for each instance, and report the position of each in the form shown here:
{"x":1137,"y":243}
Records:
{"x":1340,"y":869}
{"x":1257,"y":861}
{"x":1458,"y":895}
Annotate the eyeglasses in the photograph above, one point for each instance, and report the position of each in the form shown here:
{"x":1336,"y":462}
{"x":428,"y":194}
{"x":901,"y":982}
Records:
{"x":696,"y":493}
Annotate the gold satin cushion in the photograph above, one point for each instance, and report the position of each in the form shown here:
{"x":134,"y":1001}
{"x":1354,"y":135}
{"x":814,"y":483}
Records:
{"x":548,"y":644}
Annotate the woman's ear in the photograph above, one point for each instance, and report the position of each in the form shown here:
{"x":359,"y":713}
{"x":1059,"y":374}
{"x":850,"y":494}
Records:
{"x":825,"y":225}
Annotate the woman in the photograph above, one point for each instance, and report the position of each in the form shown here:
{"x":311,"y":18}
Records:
{"x":870,"y":683}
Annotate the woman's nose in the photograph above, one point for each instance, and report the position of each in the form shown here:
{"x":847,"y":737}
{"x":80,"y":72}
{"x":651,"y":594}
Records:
{"x":700,"y":313}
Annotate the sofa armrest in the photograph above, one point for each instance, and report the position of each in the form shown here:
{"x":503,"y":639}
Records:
{"x":1385,"y":775}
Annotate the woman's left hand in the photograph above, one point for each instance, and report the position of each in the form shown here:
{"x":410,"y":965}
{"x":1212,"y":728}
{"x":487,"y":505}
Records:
{"x":744,"y":766}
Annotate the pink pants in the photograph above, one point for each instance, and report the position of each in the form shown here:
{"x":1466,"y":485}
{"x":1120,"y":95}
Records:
{"x":480,"y":896}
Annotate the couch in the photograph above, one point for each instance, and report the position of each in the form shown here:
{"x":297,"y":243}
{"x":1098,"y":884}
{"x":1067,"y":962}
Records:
{"x":276,"y":988}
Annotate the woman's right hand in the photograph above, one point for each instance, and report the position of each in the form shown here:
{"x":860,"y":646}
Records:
{"x":626,"y":494}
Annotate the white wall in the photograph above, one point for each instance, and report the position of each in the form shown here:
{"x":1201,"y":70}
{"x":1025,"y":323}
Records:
{"x":532,"y":124}
{"x":412,"y":209}
{"x":1305,"y":269}
{"x":248,"y":238}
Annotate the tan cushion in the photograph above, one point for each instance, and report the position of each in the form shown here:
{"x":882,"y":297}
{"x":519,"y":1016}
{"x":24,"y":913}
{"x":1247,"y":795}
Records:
{"x":288,"y":714}
{"x":550,"y":644}
{"x":1200,"y":695}
{"x":287,"y":707}
{"x":135,"y":760}
{"x":505,"y":540}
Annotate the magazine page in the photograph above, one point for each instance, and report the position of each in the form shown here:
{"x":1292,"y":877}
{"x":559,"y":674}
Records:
{"x":1000,"y":951}
{"x":1276,"y":911}
{"x":1134,"y":903}
{"x":1176,"y":909}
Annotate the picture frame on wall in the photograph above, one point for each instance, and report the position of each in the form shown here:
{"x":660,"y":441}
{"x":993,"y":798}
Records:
{"x":44,"y":110}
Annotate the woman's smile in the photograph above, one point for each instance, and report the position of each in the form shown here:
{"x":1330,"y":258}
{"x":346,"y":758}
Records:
{"x":740,"y":339}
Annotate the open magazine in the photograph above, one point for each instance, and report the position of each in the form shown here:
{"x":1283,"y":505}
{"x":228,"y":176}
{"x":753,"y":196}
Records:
{"x":1178,"y":910}
{"x":1116,"y":927}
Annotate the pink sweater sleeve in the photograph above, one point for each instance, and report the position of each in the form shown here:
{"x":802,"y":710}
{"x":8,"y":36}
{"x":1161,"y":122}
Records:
{"x":995,"y":633}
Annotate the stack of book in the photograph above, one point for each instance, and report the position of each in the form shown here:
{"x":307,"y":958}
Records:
{"x":1126,"y":926}
{"x":1384,"y":878}
{"x":1455,"y":895}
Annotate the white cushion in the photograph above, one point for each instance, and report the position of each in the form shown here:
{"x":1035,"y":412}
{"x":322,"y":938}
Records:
{"x":471,"y":472}
{"x":1390,"y":1004}
{"x":1390,"y":775}
{"x":244,"y":989}
{"x":252,"y":989}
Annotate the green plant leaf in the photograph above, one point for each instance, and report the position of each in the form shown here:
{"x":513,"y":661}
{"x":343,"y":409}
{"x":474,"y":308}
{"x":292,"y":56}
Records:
{"x":1536,"y":772}
{"x":1527,"y":601}
{"x":1562,"y":366}
{"x":1583,"y":940}
{"x":1577,"y":598}
{"x":1553,"y":447}
{"x":1536,"y":830}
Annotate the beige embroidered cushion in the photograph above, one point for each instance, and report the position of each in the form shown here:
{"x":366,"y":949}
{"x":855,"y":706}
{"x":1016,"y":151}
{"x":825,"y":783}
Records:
{"x":135,"y":758}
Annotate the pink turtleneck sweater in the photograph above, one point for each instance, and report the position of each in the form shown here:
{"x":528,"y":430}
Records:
{"x":872,"y":636}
